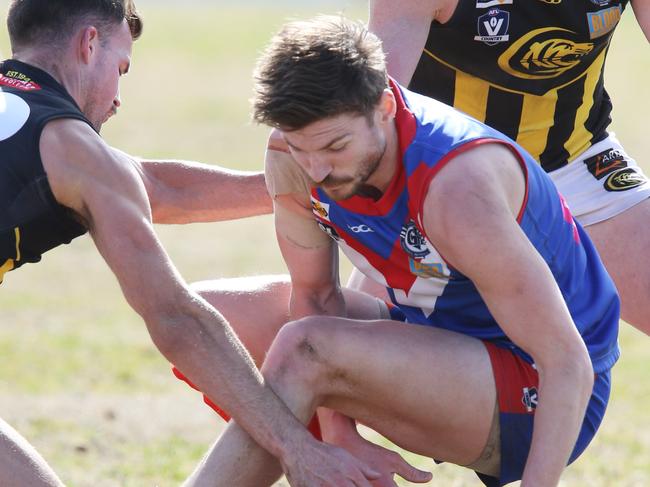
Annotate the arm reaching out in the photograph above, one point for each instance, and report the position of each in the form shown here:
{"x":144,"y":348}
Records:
{"x":106,"y":191}
{"x":190,"y":192}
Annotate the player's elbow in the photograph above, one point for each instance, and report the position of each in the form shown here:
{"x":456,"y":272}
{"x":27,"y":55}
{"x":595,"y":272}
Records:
{"x":572,"y":365}
{"x":167,"y":327}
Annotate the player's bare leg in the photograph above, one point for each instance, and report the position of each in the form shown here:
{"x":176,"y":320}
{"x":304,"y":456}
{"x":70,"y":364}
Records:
{"x":20,"y":463}
{"x":410,"y":383}
{"x":258,"y":306}
{"x":623,"y":243}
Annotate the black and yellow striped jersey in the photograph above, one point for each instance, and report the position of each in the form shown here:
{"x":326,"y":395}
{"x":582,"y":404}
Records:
{"x":532,"y":69}
{"x":31,"y":220}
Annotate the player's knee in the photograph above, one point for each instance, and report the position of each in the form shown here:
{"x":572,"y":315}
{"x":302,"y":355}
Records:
{"x":295,"y":354}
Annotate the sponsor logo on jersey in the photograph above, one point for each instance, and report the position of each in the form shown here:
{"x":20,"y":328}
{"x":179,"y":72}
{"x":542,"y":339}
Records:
{"x":544,"y":53}
{"x":492,"y":3}
{"x":493,"y":27}
{"x":606,"y":162}
{"x":14,"y":79}
{"x":329,"y":229}
{"x":603,"y":21}
{"x":600,"y":3}
{"x":529,"y":398}
{"x":426,"y":270}
{"x":624,"y":179}
{"x":321,"y":209}
{"x":360,"y":229}
{"x":412,"y":241}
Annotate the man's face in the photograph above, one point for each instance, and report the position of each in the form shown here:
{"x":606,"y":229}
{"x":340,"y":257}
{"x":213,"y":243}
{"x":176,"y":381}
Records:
{"x":113,"y":59}
{"x":340,"y":154}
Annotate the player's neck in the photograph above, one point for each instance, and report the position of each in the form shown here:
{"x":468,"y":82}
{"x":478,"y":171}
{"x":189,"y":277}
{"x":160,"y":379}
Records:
{"x":387,"y":167}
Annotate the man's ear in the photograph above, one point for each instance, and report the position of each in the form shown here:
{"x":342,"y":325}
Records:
{"x":387,"y":106}
{"x":88,"y":42}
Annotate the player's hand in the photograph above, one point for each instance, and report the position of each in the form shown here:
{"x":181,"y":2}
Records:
{"x":385,"y":461}
{"x":317,"y":464}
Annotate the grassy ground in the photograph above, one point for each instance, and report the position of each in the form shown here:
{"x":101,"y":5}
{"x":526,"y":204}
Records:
{"x":79,"y":376}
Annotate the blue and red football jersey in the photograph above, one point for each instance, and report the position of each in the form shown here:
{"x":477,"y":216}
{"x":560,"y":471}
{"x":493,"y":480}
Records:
{"x":385,"y":239}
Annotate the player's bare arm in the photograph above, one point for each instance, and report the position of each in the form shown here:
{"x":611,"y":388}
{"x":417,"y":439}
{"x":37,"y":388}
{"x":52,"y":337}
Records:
{"x":188,"y":192}
{"x":472,"y":221}
{"x":403,"y":28}
{"x":108,"y":194}
{"x":311,"y":257}
{"x":312,"y":260}
{"x":642,"y":12}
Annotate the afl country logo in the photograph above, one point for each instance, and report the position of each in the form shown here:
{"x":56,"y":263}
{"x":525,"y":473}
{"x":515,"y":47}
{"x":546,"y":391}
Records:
{"x":544,"y":53}
{"x":412,"y":241}
{"x":493,"y":27}
{"x":624,"y":179}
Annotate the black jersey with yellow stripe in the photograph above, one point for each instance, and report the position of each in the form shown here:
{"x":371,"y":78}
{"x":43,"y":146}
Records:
{"x":533,"y":69}
{"x":31,"y":220}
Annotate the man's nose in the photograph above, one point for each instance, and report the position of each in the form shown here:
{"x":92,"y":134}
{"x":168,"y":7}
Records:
{"x":319,"y":168}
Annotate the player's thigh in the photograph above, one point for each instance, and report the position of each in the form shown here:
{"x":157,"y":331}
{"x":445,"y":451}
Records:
{"x":258,"y":306}
{"x":431,"y":391}
{"x":20,"y":464}
{"x":623,"y":242}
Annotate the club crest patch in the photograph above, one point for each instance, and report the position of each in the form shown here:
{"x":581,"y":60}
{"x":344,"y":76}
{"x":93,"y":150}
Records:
{"x":412,"y":241}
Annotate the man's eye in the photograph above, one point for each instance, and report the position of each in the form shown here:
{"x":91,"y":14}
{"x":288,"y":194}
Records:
{"x":338,"y":148}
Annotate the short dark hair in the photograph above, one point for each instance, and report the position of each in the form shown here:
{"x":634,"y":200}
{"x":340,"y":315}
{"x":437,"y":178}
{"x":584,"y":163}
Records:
{"x":316,"y":69}
{"x":32,"y":22}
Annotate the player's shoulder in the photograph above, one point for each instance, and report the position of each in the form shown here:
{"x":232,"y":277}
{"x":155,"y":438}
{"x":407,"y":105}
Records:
{"x":283,"y":174}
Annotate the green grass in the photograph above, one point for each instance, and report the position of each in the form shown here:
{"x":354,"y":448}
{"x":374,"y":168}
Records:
{"x":79,"y":376}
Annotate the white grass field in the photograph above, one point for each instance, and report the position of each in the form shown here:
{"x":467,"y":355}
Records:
{"x":78,"y":374}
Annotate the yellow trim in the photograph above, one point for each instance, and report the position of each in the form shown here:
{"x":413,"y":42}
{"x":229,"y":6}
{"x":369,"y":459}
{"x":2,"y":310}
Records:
{"x":9,"y":263}
{"x":580,"y":137}
{"x":17,"y":233}
{"x":537,"y":118}
{"x":470,"y":95}
{"x":6,"y":267}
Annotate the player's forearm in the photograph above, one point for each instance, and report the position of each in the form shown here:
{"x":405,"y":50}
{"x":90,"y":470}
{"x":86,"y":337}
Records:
{"x":328,"y":301}
{"x":564,"y":393}
{"x":186,"y":192}
{"x":203,"y":346}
